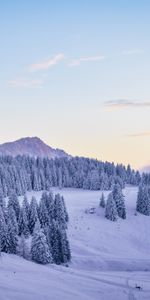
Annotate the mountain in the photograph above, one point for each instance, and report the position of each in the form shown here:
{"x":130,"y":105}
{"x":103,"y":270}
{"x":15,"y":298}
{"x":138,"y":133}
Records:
{"x":31,"y":146}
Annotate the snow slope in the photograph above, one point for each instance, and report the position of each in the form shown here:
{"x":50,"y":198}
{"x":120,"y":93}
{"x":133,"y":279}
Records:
{"x":108,"y":259}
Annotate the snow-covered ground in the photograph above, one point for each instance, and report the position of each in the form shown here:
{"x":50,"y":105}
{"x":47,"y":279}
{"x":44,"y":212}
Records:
{"x":108,"y":258}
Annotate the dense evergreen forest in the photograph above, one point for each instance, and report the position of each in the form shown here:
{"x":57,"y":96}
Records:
{"x":23,"y":173}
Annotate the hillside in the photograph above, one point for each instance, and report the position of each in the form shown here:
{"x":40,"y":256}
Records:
{"x":31,"y":146}
{"x":108,"y":258}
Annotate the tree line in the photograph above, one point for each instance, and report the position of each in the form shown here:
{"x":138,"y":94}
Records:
{"x":23,"y":173}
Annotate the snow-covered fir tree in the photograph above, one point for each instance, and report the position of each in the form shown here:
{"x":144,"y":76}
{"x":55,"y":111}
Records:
{"x":33,"y":214}
{"x":23,"y":223}
{"x":40,"y":251}
{"x":14,"y":202}
{"x":59,"y":211}
{"x":111,"y":210}
{"x":12,"y":238}
{"x":3,"y":231}
{"x":102,"y":201}
{"x":119,"y":200}
{"x":12,"y":216}
{"x":43,"y":213}
{"x":26,"y":206}
{"x":143,"y":200}
{"x":23,"y":249}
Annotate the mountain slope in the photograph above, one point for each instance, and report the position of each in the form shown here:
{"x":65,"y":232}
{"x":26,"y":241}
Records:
{"x":31,"y":146}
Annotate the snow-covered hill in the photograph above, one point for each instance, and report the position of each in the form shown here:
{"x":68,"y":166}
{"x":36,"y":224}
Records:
{"x":108,"y":258}
{"x":32,"y":146}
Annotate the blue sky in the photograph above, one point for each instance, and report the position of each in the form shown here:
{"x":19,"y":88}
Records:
{"x":76,"y":74}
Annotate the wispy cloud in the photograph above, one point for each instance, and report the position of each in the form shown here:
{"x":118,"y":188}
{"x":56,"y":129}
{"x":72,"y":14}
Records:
{"x":124,"y":103}
{"x":44,"y":65}
{"x":139,"y":134}
{"x":77,"y":62}
{"x":132,"y":51}
{"x":25,"y":83}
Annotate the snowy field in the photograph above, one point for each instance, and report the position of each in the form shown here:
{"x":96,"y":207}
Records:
{"x":108,"y":258}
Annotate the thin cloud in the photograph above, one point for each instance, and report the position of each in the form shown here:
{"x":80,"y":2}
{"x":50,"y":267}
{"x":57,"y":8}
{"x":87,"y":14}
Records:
{"x":139,"y":134}
{"x":25,"y":83}
{"x":44,"y":65}
{"x":124,"y":104}
{"x":132,"y":52}
{"x":77,"y":62}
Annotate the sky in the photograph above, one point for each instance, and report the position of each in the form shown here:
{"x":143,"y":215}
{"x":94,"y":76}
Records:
{"x":76,"y":74}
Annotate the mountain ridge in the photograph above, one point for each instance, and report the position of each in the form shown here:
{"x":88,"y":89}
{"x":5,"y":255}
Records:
{"x":31,"y":146}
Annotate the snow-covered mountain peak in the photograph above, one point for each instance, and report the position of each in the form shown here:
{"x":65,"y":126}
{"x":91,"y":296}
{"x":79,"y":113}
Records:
{"x":32,"y":146}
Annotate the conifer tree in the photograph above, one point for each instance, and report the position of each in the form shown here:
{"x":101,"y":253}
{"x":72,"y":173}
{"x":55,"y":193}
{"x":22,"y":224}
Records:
{"x":3,"y":231}
{"x":26,"y":206}
{"x":40,"y":251}
{"x":59,"y":213}
{"x":119,"y":200}
{"x":12,"y":239}
{"x":43,"y":214}
{"x":33,"y":215}
{"x":111,"y":210}
{"x":13,"y":201}
{"x":23,"y":223}
{"x":143,"y":200}
{"x":23,"y":249}
{"x":12,"y":216}
{"x":102,"y":201}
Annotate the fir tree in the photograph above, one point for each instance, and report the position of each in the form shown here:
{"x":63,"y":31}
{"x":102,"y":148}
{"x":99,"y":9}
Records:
{"x":59,"y":213}
{"x":143,"y":200}
{"x":23,"y":223}
{"x":43,"y":214}
{"x":12,"y":216}
{"x":13,"y":201}
{"x":26,"y":206}
{"x":33,"y":215}
{"x":23,"y":249}
{"x":3,"y":231}
{"x":40,"y":251}
{"x":111,"y":210}
{"x":119,"y":200}
{"x":12,"y":239}
{"x":102,"y":201}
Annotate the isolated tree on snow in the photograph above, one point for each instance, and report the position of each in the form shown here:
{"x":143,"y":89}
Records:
{"x":102,"y":201}
{"x":111,"y":210}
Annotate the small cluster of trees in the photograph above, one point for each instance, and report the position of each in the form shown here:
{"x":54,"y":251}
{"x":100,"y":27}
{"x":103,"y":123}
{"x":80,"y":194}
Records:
{"x":115,"y":204}
{"x":143,"y":200}
{"x":36,"y":231}
{"x":23,"y":173}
